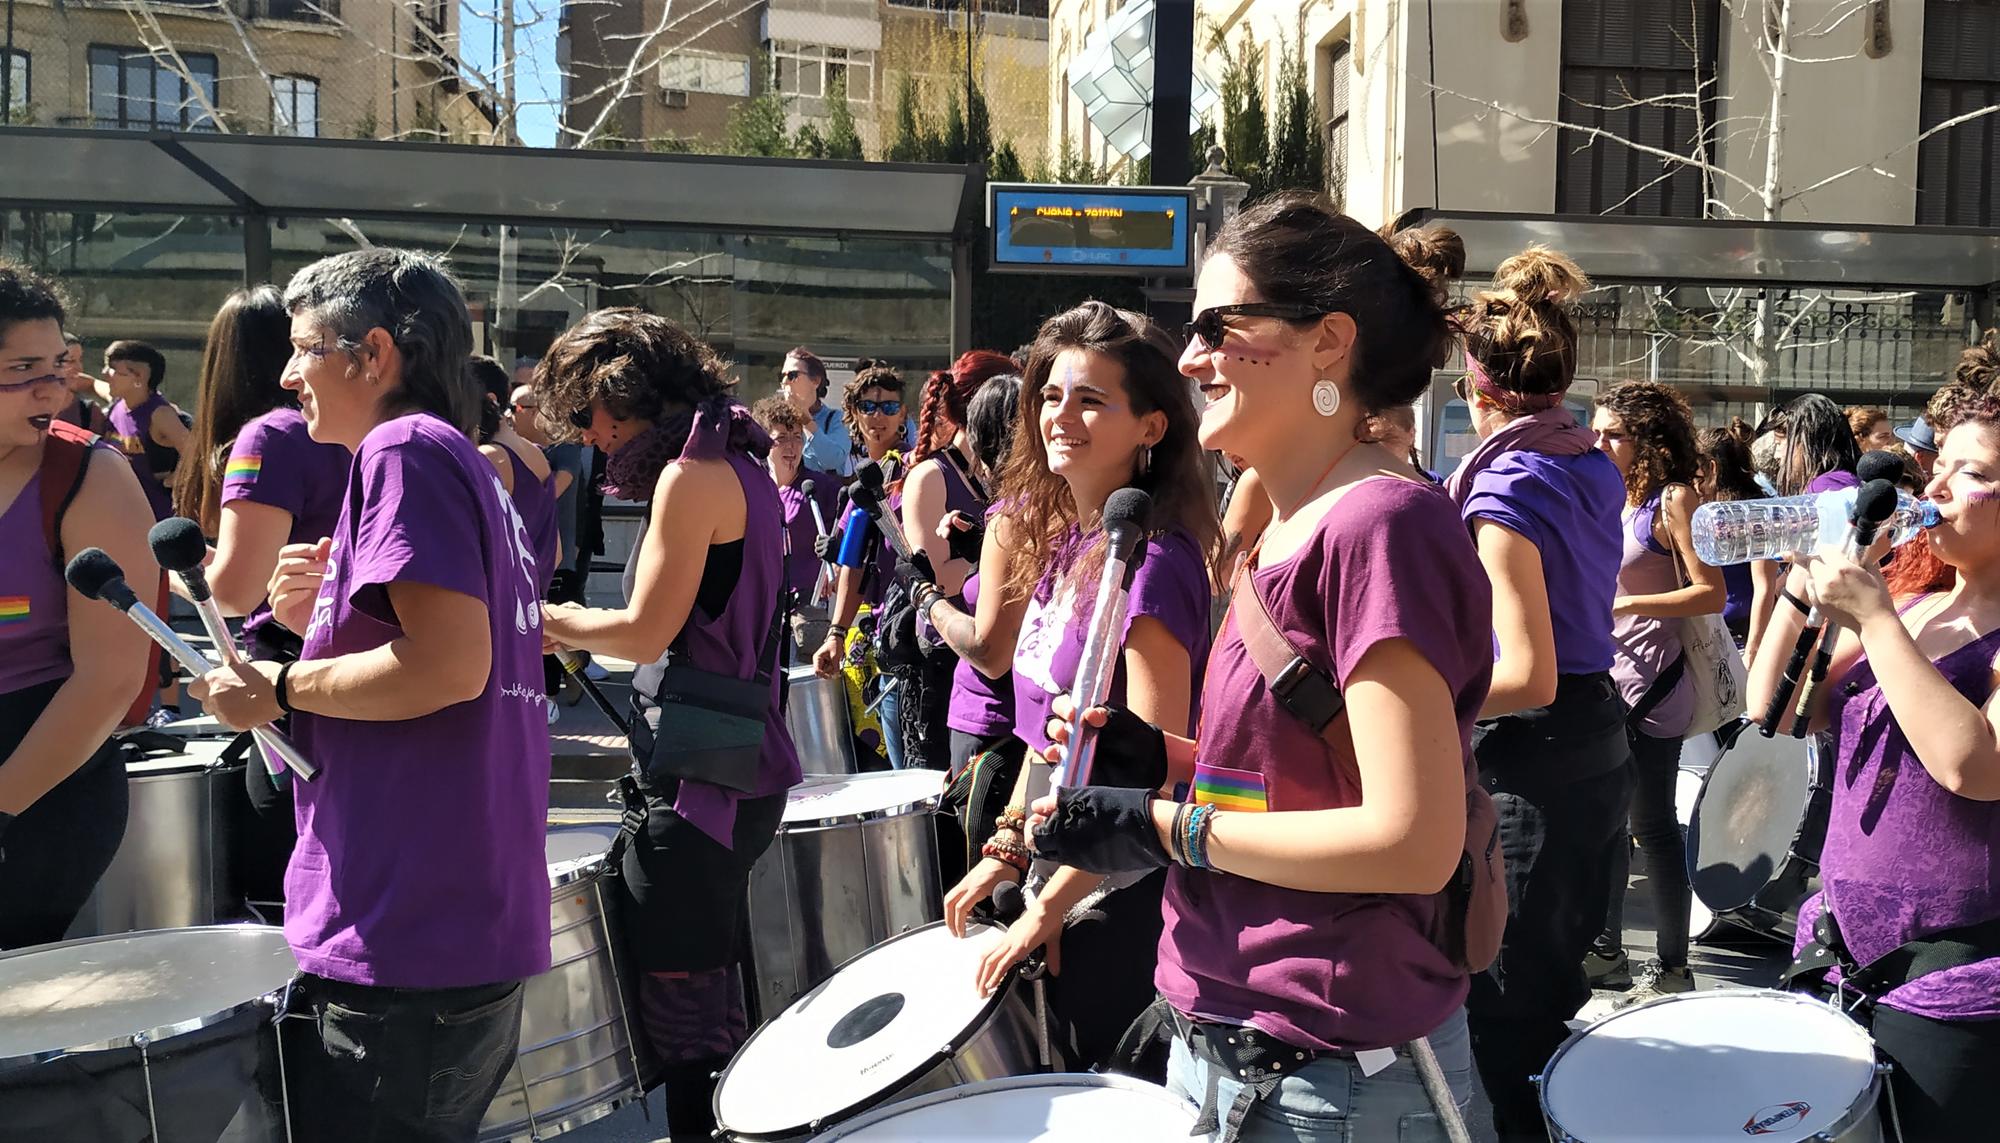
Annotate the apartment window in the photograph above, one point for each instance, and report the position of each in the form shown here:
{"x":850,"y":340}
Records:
{"x":704,"y":72}
{"x":19,"y":92}
{"x":295,"y":106}
{"x":1339,"y":76}
{"x":1644,"y":71}
{"x":131,"y":89}
{"x":1958,"y":167}
{"x":809,"y":70}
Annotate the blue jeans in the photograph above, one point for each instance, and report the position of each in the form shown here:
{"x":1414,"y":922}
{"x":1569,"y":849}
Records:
{"x":1330,"y":1101}
{"x":890,"y":711}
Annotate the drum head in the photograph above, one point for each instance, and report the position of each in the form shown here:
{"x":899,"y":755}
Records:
{"x":1029,"y":1109}
{"x":883,"y":1019}
{"x":1711,"y":1065}
{"x":1749,"y":813}
{"x":100,"y":992}
{"x":834,"y":799}
{"x":575,"y":850}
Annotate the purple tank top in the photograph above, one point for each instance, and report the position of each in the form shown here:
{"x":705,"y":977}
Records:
{"x":133,"y":428}
{"x":34,"y":603}
{"x":1904,"y":857}
{"x":1642,"y":646}
{"x":535,"y":500}
{"x":959,"y":496}
{"x":730,"y":644}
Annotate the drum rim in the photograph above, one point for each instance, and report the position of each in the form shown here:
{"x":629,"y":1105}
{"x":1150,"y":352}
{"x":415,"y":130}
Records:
{"x":883,"y":1092}
{"x":583,"y":868}
{"x":1790,"y":858}
{"x":535,"y":1127}
{"x":887,"y":1112}
{"x":1863,"y":1103}
{"x":928,"y":803}
{"x":164,"y":1031}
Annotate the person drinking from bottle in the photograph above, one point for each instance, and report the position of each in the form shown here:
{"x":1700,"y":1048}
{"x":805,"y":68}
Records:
{"x":256,"y":481}
{"x":804,"y":511}
{"x":69,"y":668}
{"x":1307,"y":935}
{"x":703,"y":612}
{"x":1907,"y":925}
{"x":1103,"y":407}
{"x":1647,"y":430}
{"x":416,"y":902}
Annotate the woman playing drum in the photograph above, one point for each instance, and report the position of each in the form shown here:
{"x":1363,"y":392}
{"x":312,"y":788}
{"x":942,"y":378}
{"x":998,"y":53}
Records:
{"x":1304,"y":905}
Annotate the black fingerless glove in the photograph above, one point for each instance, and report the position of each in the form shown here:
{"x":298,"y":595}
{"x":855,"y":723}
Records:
{"x":1131,"y":752}
{"x":965,"y":545}
{"x":827,"y":547}
{"x":916,"y":569}
{"x":1102,"y":830}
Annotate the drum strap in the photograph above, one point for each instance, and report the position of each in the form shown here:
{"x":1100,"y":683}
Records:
{"x":1663,"y":685}
{"x":1912,"y":960}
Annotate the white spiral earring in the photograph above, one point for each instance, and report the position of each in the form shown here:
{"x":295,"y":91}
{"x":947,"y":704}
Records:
{"x":1326,"y":397}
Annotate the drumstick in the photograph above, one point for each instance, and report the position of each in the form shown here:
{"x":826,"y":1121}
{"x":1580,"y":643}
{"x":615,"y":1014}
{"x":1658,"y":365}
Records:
{"x":806,"y":489}
{"x":1872,"y":505}
{"x":573,"y":665}
{"x":1124,"y":518}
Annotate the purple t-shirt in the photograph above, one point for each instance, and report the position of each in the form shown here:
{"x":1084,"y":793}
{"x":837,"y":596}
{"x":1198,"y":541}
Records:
{"x":1171,"y":585}
{"x":420,"y":858}
{"x":802,"y":563}
{"x":1829,"y":481}
{"x":275,"y":461}
{"x":133,"y":429}
{"x":1350,"y":971}
{"x":980,"y":706}
{"x":1568,"y":507}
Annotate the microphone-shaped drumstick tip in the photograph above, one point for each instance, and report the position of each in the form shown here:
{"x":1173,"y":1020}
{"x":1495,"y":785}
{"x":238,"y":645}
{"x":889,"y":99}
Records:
{"x":177,"y":544}
{"x":95,"y":575}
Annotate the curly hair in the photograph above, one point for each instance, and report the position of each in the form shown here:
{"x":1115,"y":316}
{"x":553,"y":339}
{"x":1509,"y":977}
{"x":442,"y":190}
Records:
{"x":778,"y":415}
{"x":1522,"y":332}
{"x":1958,"y":404}
{"x":27,"y":296}
{"x":869,"y":373}
{"x":947,"y":395}
{"x":635,"y":363}
{"x":1660,"y":425}
{"x":1042,"y":511}
{"x":1726,"y":452}
{"x":1979,"y":365}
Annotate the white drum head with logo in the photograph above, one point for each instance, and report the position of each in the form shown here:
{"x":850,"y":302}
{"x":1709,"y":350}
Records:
{"x":572,"y":848}
{"x":832,"y":799}
{"x":1028,"y":1109}
{"x":1730,"y":1064}
{"x":886,"y":1016}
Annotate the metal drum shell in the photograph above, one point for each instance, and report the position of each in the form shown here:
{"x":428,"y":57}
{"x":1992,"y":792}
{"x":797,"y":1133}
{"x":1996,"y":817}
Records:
{"x":175,"y":867}
{"x":816,"y":714}
{"x":580,"y":1056}
{"x":1770,"y":797}
{"x":1000,"y":1043}
{"x":828,"y":890}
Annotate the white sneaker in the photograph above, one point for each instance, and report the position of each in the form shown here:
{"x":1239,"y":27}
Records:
{"x":1657,"y":980}
{"x":555,"y":712}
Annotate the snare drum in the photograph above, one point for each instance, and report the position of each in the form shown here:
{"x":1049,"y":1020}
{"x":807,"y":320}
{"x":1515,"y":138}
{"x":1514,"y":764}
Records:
{"x":816,"y":714}
{"x":175,"y":868}
{"x":1755,"y":836}
{"x":902,"y":1019}
{"x":579,"y":1054}
{"x":1716,"y":1066}
{"x":163,"y":1036}
{"x":1029,"y":1109}
{"x":854,"y":863}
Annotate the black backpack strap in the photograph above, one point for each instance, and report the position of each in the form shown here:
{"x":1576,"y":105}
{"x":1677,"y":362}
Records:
{"x":1662,"y":686}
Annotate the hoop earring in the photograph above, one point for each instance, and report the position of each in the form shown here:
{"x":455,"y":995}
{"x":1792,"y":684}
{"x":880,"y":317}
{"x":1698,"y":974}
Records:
{"x":1326,"y":397}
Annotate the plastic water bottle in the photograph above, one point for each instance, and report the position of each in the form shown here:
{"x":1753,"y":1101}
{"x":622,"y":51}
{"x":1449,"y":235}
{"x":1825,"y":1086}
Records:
{"x":1736,"y":531}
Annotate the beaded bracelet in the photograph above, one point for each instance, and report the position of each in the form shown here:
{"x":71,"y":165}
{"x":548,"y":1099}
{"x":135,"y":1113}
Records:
{"x":1006,"y":852}
{"x":1175,"y":833}
{"x":1195,"y":836}
{"x":1013,"y":817}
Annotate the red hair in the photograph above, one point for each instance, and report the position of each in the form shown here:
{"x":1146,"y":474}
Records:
{"x":949,"y":392}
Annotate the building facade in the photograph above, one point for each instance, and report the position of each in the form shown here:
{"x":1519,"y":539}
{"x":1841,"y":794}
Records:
{"x":691,"y":75}
{"x":366,"y":69}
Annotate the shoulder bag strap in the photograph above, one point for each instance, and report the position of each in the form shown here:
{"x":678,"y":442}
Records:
{"x":1310,"y":694}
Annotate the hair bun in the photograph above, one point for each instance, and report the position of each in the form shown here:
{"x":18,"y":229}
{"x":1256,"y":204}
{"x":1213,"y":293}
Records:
{"x":1538,"y":275}
{"x":1435,"y":252}
{"x":1979,"y":365}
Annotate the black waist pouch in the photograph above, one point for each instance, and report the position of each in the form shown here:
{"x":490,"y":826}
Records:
{"x":711,"y":729}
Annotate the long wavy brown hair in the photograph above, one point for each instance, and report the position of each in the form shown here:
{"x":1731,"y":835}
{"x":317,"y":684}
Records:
{"x":1041,"y":510}
{"x":1658,"y":420}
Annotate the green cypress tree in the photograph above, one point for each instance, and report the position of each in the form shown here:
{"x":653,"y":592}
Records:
{"x":951,"y":144}
{"x":1245,"y":129}
{"x":757,"y":127}
{"x":842,"y":140}
{"x":906,"y":136}
{"x":1005,"y":166}
{"x":1298,"y":152}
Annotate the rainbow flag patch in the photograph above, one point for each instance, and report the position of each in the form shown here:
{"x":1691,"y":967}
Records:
{"x":13,"y":609}
{"x":243,"y":468}
{"x":1229,"y":789}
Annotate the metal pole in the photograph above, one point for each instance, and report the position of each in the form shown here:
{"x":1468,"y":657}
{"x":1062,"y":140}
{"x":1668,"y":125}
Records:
{"x":1173,"y":90}
{"x":7,"y":73}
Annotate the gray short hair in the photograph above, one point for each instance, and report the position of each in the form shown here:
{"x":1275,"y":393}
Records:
{"x":415,"y":299}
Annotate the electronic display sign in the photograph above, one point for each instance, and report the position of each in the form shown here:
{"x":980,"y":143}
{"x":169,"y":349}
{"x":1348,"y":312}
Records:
{"x":1143,"y":231}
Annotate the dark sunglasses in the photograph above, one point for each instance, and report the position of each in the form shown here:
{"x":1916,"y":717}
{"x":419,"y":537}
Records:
{"x":582,"y":419}
{"x":1208,"y":325}
{"x":886,"y":408}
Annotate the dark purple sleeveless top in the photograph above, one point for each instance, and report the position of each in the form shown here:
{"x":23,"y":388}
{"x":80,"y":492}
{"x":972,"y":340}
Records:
{"x":535,"y":500}
{"x":34,"y":605}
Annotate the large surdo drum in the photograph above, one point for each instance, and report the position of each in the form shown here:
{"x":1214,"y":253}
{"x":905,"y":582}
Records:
{"x":175,"y":867}
{"x":1028,"y":1109}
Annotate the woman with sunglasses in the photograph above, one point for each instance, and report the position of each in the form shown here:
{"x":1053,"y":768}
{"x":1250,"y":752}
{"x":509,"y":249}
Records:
{"x":254,"y":479}
{"x":69,"y":668}
{"x":874,"y":408}
{"x":1305,"y":918}
{"x":1103,"y":407}
{"x":703,"y":589}
{"x":1913,"y":830}
{"x":1543,"y":507}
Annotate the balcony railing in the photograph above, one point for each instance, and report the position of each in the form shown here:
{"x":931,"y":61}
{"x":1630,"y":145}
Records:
{"x":298,"y":11}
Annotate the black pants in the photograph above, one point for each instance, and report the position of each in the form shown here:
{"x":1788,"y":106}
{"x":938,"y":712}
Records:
{"x":680,"y":892}
{"x":266,"y":824}
{"x":964,"y":824}
{"x":1562,"y":816}
{"x":1943,"y":1083}
{"x":53,"y":854}
{"x":927,"y":741}
{"x":1656,"y":766}
{"x":1107,"y":957}
{"x":396,"y":1065}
